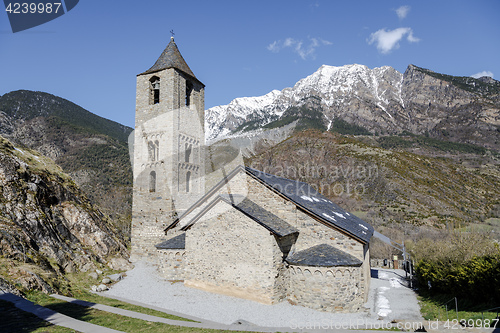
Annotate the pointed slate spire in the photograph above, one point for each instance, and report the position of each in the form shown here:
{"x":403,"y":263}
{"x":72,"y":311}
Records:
{"x":171,"y":58}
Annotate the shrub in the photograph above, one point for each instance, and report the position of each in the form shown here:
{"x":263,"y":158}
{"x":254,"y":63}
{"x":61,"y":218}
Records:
{"x":464,"y":265}
{"x":343,"y":127}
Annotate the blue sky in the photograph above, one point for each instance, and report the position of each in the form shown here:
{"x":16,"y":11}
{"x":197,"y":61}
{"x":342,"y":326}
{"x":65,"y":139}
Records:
{"x":92,"y":54}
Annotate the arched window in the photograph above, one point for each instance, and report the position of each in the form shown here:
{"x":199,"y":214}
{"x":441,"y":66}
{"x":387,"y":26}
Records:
{"x":188,"y":179}
{"x":154,"y":87}
{"x":189,"y":90}
{"x":187,"y":153}
{"x":152,"y":181}
{"x":151,"y":151}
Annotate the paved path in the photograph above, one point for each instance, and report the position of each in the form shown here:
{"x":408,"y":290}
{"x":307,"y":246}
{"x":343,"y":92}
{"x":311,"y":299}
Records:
{"x":53,"y":317}
{"x":149,"y":306}
{"x":244,"y":326}
{"x":133,"y":314}
{"x":390,"y":298}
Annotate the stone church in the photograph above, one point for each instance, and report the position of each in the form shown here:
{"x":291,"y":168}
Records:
{"x":252,"y":235}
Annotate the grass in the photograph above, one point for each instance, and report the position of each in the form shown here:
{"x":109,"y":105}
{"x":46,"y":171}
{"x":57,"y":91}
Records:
{"x":16,"y":320}
{"x":432,"y":308}
{"x":106,"y":319}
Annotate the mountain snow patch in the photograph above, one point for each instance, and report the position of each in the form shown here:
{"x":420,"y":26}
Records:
{"x":333,"y":87}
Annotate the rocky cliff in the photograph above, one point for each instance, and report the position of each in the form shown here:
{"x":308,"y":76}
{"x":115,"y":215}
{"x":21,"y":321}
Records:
{"x":459,"y":109}
{"x":48,"y":227}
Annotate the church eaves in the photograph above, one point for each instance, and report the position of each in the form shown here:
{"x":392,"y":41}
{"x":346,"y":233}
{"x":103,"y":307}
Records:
{"x":171,"y":58}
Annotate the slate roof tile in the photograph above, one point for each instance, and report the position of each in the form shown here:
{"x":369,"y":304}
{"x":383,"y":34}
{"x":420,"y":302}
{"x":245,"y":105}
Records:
{"x":171,"y":58}
{"x":323,"y":255}
{"x":265,"y":218}
{"x":309,"y":198}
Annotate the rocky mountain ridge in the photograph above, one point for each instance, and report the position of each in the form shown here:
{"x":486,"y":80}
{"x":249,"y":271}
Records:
{"x":91,"y":149}
{"x":380,"y":100}
{"x":48,"y":227}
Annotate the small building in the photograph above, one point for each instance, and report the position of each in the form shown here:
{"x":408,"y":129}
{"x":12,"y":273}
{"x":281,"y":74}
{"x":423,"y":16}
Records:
{"x":268,"y":239}
{"x":252,"y":235}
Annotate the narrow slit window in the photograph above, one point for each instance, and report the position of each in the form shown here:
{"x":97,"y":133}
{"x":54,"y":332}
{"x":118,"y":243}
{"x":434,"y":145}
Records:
{"x":152,"y":182}
{"x":189,"y":90}
{"x":187,"y":153}
{"x":151,"y":151}
{"x":188,"y":179}
{"x":157,"y":150}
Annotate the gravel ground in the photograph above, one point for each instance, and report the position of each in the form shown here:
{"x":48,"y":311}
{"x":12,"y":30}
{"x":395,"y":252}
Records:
{"x":388,"y":299}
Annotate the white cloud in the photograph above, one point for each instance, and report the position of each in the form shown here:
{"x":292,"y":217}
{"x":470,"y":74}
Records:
{"x":483,"y":73}
{"x":305,"y":50}
{"x":324,"y":42}
{"x":289,"y":42}
{"x":411,"y":38}
{"x":273,"y":47}
{"x":402,"y":11}
{"x":314,"y":6}
{"x":388,"y":40}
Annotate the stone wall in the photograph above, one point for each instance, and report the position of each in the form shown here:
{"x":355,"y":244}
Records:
{"x":282,"y":279}
{"x":237,"y":185}
{"x":270,"y":201}
{"x":170,"y":125}
{"x":151,"y":213}
{"x":366,"y":272}
{"x":311,"y":231}
{"x":330,"y":289}
{"x":239,"y":257}
{"x":171,"y":263}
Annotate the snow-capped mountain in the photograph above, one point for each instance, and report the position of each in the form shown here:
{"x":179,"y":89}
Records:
{"x":221,"y":120}
{"x":378,"y":101}
{"x":337,"y":88}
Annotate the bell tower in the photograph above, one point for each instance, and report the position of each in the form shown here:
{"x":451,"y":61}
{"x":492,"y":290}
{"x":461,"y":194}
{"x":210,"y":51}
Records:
{"x":169,"y":137}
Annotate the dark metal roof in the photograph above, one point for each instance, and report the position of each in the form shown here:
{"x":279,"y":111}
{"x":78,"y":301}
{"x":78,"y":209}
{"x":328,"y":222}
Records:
{"x":171,"y":58}
{"x":177,"y":242}
{"x":309,"y":199}
{"x":265,"y":218}
{"x":323,"y":255}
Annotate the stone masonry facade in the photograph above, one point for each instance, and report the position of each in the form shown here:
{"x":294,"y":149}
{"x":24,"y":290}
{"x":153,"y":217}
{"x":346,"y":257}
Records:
{"x":331,"y":289}
{"x":244,"y":236}
{"x":243,"y":259}
{"x":168,"y":150}
{"x":247,"y":271}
